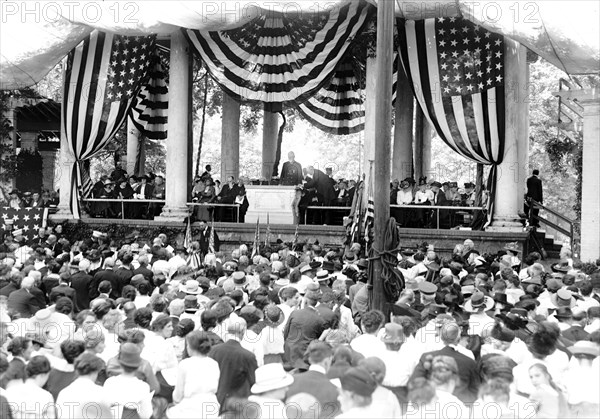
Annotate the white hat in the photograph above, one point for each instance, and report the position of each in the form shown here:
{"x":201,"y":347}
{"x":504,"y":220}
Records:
{"x":17,"y":232}
{"x":322,"y":275}
{"x":271,"y":377}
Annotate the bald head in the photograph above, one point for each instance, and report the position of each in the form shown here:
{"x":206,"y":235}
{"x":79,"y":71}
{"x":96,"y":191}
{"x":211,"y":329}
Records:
{"x":291,"y":156}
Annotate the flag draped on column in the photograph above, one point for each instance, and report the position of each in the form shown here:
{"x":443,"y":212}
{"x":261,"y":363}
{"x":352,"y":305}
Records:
{"x":457,"y":73}
{"x":102,"y":77}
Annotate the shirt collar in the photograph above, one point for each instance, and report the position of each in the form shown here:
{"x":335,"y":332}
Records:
{"x":317,"y":368}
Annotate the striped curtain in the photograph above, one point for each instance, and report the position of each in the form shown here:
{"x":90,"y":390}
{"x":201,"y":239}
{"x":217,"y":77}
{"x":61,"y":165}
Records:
{"x":339,"y":107}
{"x":150,"y":107}
{"x":102,"y":77}
{"x":457,"y":74}
{"x":280,"y":57}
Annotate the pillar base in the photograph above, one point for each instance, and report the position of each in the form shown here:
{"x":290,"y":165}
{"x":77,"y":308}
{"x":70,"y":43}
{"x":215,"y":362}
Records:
{"x":173,"y":214}
{"x":63,"y":213}
{"x":506,"y":225}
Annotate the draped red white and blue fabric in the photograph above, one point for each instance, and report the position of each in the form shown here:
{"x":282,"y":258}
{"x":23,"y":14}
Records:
{"x":339,"y":107}
{"x":23,"y":221}
{"x":103,"y":75}
{"x":150,"y":107}
{"x":280,"y":57}
{"x":457,"y":73}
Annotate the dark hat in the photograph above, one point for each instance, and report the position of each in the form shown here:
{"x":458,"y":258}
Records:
{"x":527,"y":304}
{"x":328,"y":265}
{"x":519,"y":311}
{"x":313,"y":291}
{"x":453,"y":184}
{"x":14,"y":192}
{"x":435,"y":183}
{"x":26,"y":193}
{"x":239,"y":278}
{"x":423,"y":180}
{"x":314,"y":264}
{"x":478,"y":300}
{"x":74,"y":264}
{"x":130,"y":355}
{"x":93,"y":255}
{"x":273,"y":315}
{"x":501,"y":298}
{"x":427,"y":288}
{"x":437,"y":309}
{"x":554,"y":284}
{"x":410,"y":181}
{"x":190,"y":303}
{"x":433,"y":266}
{"x":469,"y":185}
{"x":560,"y":268}
{"x":360,"y":381}
{"x":446,"y":281}
{"x":407,"y":252}
{"x":503,"y":334}
{"x":563,"y":313}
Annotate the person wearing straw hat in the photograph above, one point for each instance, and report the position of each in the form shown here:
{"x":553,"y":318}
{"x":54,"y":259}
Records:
{"x":582,"y":380}
{"x":270,"y":389}
{"x":479,"y":322}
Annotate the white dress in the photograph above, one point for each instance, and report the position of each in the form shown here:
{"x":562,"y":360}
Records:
{"x":199,"y":378}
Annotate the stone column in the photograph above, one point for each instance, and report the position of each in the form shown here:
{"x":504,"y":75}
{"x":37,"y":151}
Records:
{"x":426,"y":153}
{"x":523,"y":143}
{"x":133,"y":147}
{"x":269,"y":144}
{"x":63,"y":176}
{"x":175,"y":209}
{"x":402,"y":161}
{"x":508,"y":189}
{"x":230,"y":138}
{"x":369,"y":136}
{"x":590,"y":188}
{"x":422,"y":146}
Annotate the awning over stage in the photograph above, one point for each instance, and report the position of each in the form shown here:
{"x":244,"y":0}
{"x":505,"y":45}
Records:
{"x":34,"y":37}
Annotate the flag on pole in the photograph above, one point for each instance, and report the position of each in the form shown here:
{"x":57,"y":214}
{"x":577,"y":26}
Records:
{"x":268,"y":232}
{"x":370,"y":215}
{"x":211,"y":238}
{"x":295,"y":238}
{"x":256,"y":239}
{"x":187,"y":240}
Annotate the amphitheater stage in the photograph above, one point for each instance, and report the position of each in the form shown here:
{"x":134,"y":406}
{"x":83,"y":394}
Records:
{"x":233,"y":234}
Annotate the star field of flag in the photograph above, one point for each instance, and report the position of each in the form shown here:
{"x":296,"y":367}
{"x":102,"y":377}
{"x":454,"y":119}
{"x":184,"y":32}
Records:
{"x":129,"y":61}
{"x":470,"y":57}
{"x":27,"y":219}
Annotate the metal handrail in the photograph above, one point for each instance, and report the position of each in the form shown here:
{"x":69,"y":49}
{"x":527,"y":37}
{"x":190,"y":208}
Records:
{"x":570,"y":233}
{"x":437,"y":208}
{"x":210,"y":204}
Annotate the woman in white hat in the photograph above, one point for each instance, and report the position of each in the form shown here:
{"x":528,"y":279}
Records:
{"x":269,"y":391}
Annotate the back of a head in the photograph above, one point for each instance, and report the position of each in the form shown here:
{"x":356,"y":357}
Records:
{"x":375,"y":366}
{"x":27,"y":282}
{"x":236,"y":326}
{"x":318,"y":352}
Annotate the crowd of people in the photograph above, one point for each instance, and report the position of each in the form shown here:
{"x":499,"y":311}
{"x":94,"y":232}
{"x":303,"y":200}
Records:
{"x":29,"y":199}
{"x":103,"y":327}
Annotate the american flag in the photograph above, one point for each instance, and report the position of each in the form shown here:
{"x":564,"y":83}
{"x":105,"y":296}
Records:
{"x":150,"y":107}
{"x":369,"y":215}
{"x":211,"y":238}
{"x":457,"y":72}
{"x":255,"y":245}
{"x":26,"y":221}
{"x":103,"y":75}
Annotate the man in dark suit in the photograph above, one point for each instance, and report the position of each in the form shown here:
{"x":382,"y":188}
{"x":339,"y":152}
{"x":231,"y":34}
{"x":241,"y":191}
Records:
{"x":303,"y":326}
{"x":291,"y":171}
{"x":468,"y":372}
{"x":227,"y":196}
{"x":124,"y":273}
{"x":204,"y":238}
{"x":143,"y":191}
{"x":237,"y":364}
{"x":63,"y":290}
{"x":535,"y":192}
{"x":143,"y":269}
{"x":23,"y":301}
{"x":315,"y":381}
{"x":439,"y":198}
{"x":12,"y":286}
{"x":84,"y":286}
{"x":321,"y":184}
{"x":576,"y":332}
{"x":107,"y":274}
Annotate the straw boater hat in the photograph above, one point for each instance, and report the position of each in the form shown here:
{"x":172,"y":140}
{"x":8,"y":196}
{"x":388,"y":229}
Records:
{"x":271,"y":377}
{"x":563,"y":298}
{"x":239,"y":279}
{"x":394,"y":333}
{"x":584,"y":347}
{"x":273,"y":315}
{"x":322,"y":275}
{"x":477,"y":301}
{"x":192,"y":287}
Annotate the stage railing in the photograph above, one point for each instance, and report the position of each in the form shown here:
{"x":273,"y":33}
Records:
{"x":437,"y":209}
{"x":210,"y":204}
{"x":160,"y":201}
{"x":317,"y":207}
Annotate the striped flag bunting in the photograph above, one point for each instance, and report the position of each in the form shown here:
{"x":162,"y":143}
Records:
{"x":339,"y":107}
{"x":280,"y":57}
{"x":255,"y":250}
{"x":102,"y":76}
{"x":86,"y":181}
{"x":150,"y":106}
{"x":268,"y":232}
{"x":187,"y":240}
{"x":457,"y":73}
{"x":295,"y":242}
{"x":211,"y":238}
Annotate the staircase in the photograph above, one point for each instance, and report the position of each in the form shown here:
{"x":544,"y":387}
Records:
{"x":549,"y":243}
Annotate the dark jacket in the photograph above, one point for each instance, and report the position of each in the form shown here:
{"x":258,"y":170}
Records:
{"x":63,"y":290}
{"x":575,"y":334}
{"x":318,"y":385}
{"x":147,"y":273}
{"x":303,"y":327}
{"x":322,"y":184}
{"x":23,"y":302}
{"x":110,"y":276}
{"x":291,"y":173}
{"x":468,"y":373}
{"x":237,"y":367}
{"x":534,"y":189}
{"x":83,"y":284}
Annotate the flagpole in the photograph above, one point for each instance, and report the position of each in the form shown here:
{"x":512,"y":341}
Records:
{"x":383,"y":121}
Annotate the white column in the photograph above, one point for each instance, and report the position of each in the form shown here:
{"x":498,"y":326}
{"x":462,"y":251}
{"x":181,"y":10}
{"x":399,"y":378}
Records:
{"x":590,"y":187}
{"x":523,"y":144}
{"x":230,"y":138}
{"x":426,"y":155}
{"x":402,"y":162}
{"x":133,"y":139}
{"x":269,"y":144}
{"x":63,"y":177}
{"x":508,"y":188}
{"x":175,"y":209}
